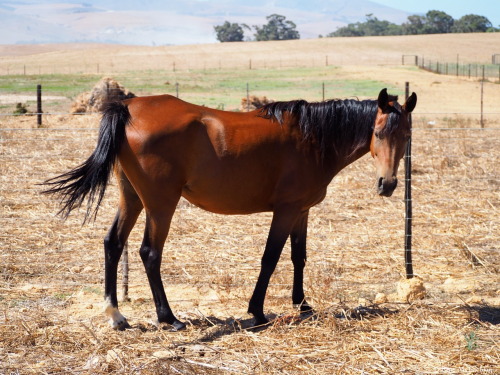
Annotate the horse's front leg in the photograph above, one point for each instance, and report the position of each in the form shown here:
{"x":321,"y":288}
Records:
{"x":155,"y":234}
{"x":281,"y":226}
{"x":298,"y":238}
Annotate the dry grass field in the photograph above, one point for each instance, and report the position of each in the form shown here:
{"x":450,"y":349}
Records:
{"x":470,"y":48}
{"x":51,"y":271}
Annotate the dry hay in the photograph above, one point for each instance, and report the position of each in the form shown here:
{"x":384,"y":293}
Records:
{"x":254,"y":102}
{"x":106,"y":90}
{"x":51,"y":273}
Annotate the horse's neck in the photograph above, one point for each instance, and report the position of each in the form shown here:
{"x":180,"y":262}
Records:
{"x":347,"y":154}
{"x":347,"y":157}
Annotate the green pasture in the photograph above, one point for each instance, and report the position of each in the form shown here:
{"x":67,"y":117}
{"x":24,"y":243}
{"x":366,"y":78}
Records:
{"x":217,"y":88}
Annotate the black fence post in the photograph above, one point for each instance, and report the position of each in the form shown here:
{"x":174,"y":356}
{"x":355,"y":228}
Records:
{"x":39,"y":105}
{"x":408,"y":201}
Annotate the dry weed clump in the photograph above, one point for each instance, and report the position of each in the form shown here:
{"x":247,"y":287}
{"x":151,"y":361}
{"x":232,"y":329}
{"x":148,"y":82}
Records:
{"x":106,"y":90}
{"x":51,"y":273}
{"x":254,"y":102}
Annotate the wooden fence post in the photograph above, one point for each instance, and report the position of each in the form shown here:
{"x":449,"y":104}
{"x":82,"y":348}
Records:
{"x":408,"y":201}
{"x":125,"y":297}
{"x":482,"y":101}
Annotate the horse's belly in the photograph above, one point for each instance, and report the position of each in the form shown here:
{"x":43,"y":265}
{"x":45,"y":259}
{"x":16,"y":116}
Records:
{"x":228,"y":201}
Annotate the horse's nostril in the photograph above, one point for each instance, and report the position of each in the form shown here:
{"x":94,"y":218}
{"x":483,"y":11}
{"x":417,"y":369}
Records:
{"x":380,"y":182}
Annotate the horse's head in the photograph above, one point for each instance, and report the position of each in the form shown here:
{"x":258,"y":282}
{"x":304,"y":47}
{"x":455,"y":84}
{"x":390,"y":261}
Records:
{"x":390,"y":135}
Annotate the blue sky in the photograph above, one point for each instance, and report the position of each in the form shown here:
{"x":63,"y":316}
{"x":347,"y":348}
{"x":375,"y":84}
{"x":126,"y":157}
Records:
{"x":455,"y":8}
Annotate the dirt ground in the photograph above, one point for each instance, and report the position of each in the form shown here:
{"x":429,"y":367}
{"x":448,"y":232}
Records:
{"x":51,"y":271}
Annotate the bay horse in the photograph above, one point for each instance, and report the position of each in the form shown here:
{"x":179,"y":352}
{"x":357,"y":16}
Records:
{"x":279,"y":158}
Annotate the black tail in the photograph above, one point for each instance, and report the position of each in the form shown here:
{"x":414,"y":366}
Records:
{"x":91,"y":178}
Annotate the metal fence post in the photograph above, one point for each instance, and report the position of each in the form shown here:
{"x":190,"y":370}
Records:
{"x":408,"y":201}
{"x":39,"y":105}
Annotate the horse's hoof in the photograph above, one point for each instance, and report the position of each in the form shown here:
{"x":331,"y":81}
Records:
{"x":260,"y":321}
{"x":303,"y":307}
{"x":308,"y":314}
{"x":177,"y":325}
{"x":306,"y":311}
{"x":120,"y":325}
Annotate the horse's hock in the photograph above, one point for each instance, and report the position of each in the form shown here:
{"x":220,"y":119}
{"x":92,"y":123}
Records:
{"x":106,"y":90}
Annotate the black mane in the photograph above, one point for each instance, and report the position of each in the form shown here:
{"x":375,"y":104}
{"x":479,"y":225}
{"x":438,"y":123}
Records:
{"x":333,"y":125}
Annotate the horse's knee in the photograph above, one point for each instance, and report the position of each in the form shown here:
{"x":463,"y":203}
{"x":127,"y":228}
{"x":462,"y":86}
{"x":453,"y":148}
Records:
{"x":150,"y":258}
{"x":299,"y":261}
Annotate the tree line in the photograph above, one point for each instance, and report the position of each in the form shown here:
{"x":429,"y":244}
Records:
{"x":433,"y":22}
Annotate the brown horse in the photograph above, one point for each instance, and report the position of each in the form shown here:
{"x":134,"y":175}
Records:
{"x":279,"y":158}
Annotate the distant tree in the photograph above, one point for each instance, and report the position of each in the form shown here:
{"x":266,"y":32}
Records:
{"x":434,"y":22}
{"x":437,"y":22}
{"x":414,"y":26}
{"x":277,"y":28}
{"x":352,"y":29}
{"x":230,"y":32}
{"x":472,"y":23}
{"x":372,"y":27}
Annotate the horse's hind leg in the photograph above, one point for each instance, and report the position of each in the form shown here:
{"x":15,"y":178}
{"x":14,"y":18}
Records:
{"x":130,"y":207}
{"x":156,"y":231}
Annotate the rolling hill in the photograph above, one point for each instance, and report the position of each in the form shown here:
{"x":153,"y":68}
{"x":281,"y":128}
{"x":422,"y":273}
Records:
{"x":156,"y":22}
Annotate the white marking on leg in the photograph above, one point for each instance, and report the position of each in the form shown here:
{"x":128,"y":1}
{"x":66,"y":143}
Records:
{"x":116,"y":319}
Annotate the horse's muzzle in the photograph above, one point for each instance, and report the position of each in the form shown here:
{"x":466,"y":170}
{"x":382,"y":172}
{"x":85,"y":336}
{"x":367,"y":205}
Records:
{"x":386,"y":187}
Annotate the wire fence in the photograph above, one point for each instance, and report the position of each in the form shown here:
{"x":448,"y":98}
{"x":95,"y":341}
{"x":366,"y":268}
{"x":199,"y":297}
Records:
{"x":170,"y":63}
{"x":478,"y":71}
{"x":41,"y":103}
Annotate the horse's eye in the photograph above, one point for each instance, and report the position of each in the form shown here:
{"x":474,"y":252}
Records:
{"x":379,"y":135}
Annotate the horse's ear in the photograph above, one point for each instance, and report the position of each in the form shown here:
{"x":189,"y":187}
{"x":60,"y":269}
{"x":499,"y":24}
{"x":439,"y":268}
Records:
{"x":410,"y":103}
{"x":383,"y":100}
